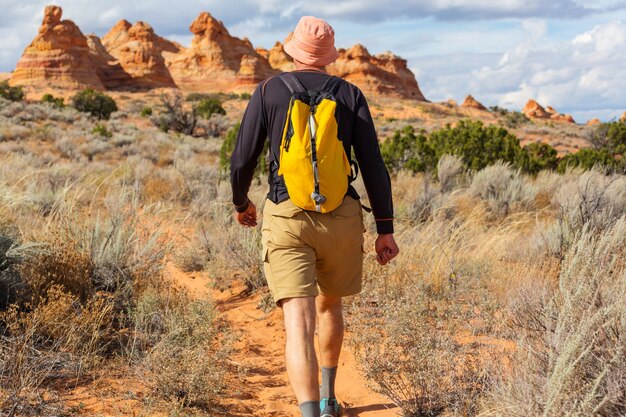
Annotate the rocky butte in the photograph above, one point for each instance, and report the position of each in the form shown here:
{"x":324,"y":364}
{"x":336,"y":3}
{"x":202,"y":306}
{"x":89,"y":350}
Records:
{"x":471,"y":103}
{"x":133,"y":57}
{"x":217,"y":61}
{"x":534,"y":110}
{"x":59,"y":55}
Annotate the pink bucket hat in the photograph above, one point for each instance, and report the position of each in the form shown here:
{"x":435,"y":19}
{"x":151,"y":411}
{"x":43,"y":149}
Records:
{"x":313,"y":42}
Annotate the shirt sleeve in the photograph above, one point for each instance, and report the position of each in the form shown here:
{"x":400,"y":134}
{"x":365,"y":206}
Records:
{"x":248,"y":148}
{"x":375,"y":175}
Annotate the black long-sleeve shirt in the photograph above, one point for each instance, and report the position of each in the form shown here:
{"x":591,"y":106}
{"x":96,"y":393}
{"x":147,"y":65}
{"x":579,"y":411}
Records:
{"x":265,"y":117}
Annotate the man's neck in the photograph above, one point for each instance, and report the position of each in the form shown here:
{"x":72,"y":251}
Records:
{"x":304,"y":67}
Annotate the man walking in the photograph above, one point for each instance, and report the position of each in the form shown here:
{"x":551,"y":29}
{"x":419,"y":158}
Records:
{"x":313,"y":256}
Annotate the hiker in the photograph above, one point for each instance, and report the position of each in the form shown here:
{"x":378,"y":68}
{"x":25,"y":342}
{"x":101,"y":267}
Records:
{"x":312,"y":230}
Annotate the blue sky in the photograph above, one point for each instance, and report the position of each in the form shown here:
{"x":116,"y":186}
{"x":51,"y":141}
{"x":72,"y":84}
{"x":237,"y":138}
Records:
{"x":566,"y":53}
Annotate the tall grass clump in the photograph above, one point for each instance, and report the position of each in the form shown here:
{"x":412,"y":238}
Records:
{"x":572,"y":336}
{"x":503,"y":188}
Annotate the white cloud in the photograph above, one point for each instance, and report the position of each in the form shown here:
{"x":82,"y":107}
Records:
{"x":581,"y":76}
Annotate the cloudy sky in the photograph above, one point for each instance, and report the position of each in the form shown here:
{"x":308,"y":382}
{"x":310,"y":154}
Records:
{"x":570,"y":54}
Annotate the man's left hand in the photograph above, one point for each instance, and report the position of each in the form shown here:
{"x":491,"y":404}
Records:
{"x":248,"y":217}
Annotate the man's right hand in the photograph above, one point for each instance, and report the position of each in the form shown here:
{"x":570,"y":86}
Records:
{"x":248,"y":217}
{"x":386,"y":249}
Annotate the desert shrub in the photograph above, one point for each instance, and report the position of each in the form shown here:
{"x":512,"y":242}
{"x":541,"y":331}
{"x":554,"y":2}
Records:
{"x":609,"y":136}
{"x":195,"y":256}
{"x":60,"y":263}
{"x":245,"y":96}
{"x":449,"y":168}
{"x":187,"y":365}
{"x":478,"y":146}
{"x":571,"y":337}
{"x":237,"y":253}
{"x":174,"y":116}
{"x":408,"y":150}
{"x":101,"y":130}
{"x":56,"y":336}
{"x":498,"y":110}
{"x":513,"y":119}
{"x":99,"y":105}
{"x":146,"y":112}
{"x":587,"y":159}
{"x":537,"y":157}
{"x":57,"y":102}
{"x":503,"y":188}
{"x":11,"y":93}
{"x":405,"y":350}
{"x":208,"y":107}
{"x":228,"y":146}
{"x":592,"y":199}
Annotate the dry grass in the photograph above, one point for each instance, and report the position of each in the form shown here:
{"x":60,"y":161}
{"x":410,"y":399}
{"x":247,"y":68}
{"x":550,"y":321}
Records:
{"x":507,"y":298}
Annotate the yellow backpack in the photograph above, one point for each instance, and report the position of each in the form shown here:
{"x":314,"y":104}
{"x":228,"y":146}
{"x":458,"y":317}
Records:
{"x":313,"y":161}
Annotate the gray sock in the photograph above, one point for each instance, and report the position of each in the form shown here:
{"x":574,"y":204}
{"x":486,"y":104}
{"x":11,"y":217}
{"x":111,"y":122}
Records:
{"x":310,"y":409}
{"x":328,"y":382}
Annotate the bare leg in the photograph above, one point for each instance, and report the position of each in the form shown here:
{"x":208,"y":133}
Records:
{"x":330,"y":331}
{"x":300,"y":356}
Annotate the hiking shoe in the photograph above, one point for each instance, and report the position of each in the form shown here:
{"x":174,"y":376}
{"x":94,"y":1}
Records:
{"x":329,"y":407}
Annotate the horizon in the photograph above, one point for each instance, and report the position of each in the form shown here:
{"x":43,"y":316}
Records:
{"x":567,"y":54}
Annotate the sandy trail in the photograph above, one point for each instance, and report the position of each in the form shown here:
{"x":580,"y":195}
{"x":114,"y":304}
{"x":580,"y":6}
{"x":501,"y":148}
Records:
{"x":261,"y":389}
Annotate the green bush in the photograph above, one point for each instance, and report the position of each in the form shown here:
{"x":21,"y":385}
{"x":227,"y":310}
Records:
{"x":537,"y":157}
{"x":245,"y":96}
{"x":514,"y":119}
{"x":57,"y":102}
{"x":95,"y":103}
{"x":11,"y":93}
{"x":406,"y":150}
{"x":588,"y":158}
{"x":101,"y":130}
{"x":208,"y":107}
{"x":477,"y":145}
{"x":146,"y":112}
{"x":229,"y":145}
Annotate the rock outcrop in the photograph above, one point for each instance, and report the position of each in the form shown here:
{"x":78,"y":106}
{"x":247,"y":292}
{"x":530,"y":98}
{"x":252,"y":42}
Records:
{"x":217,"y":61}
{"x":534,"y":110}
{"x":471,"y":103}
{"x":134,"y":57}
{"x":139,"y":52}
{"x":593,"y":122}
{"x":59,"y":56}
{"x":384,"y":74}
{"x":109,"y":71}
{"x":623,"y":118}
{"x":277,"y":57}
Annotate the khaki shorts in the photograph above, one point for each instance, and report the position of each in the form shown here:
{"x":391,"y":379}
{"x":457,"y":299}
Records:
{"x":307,"y":253}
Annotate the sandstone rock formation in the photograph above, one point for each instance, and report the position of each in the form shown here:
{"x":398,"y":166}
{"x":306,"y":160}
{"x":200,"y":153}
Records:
{"x":567,"y":118}
{"x":472,"y":103}
{"x":623,"y":118}
{"x":383,"y":74}
{"x":139,"y":51}
{"x":593,"y":122}
{"x":277,"y":57}
{"x":109,"y":71}
{"x":132,"y":57}
{"x":59,"y":56}
{"x":217,"y":61}
{"x":534,"y":110}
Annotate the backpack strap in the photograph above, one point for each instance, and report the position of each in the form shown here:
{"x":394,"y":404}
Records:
{"x":332,"y":84}
{"x":291,"y":81}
